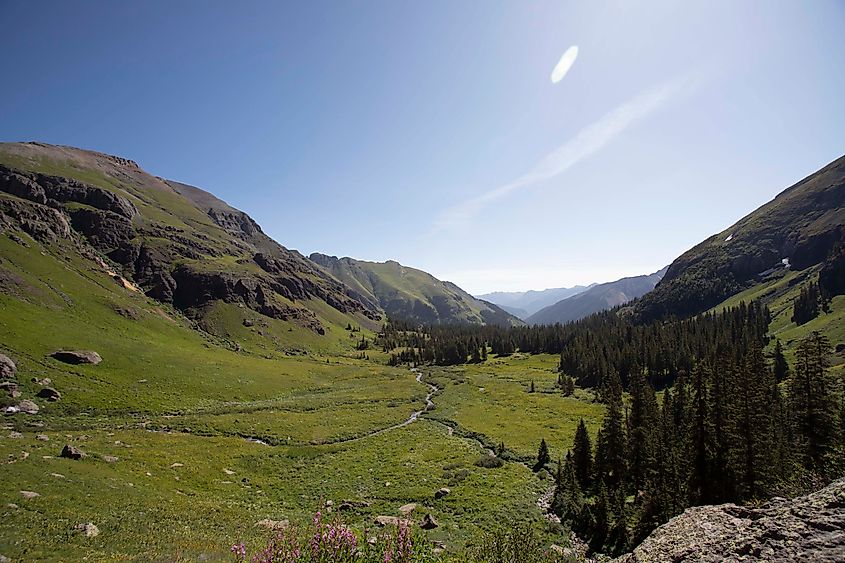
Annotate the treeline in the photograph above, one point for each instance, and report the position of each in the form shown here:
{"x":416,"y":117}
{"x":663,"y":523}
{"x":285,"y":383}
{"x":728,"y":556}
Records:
{"x":725,"y":432}
{"x":590,"y":349}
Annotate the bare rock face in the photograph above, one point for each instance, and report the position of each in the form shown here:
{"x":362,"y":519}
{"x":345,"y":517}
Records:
{"x":77,"y":357}
{"x":809,"y":528}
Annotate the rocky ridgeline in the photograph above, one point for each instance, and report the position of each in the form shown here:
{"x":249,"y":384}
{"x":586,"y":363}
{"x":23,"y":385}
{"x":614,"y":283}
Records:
{"x":809,"y":528}
{"x":162,"y":259}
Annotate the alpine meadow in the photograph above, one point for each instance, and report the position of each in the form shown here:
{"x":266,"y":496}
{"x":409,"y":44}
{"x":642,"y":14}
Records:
{"x":640,"y":356}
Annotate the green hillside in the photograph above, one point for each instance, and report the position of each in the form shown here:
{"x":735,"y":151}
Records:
{"x":411,"y":294}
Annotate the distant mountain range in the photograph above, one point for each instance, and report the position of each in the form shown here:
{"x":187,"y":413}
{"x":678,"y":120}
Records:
{"x":411,"y":294}
{"x":523,"y":304}
{"x":597,"y":298}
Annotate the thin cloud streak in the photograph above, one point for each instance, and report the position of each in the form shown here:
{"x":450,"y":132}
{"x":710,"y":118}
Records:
{"x":584,"y":144}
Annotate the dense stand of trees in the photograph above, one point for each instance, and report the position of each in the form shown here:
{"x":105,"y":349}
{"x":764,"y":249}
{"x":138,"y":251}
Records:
{"x":725,"y":432}
{"x":732,"y":425}
{"x":590,"y":349}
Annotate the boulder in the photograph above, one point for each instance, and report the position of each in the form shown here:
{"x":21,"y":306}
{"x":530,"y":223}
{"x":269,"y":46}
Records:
{"x":8,"y":369}
{"x":29,"y":494}
{"x":428,"y":522}
{"x":72,"y":452}
{"x":28,"y":407}
{"x":407,"y":509}
{"x":110,"y":458}
{"x":809,"y":528}
{"x":49,"y":393}
{"x":10,"y":388}
{"x":440,"y":493}
{"x":42,"y":438}
{"x":77,"y":357}
{"x":391,"y":521}
{"x":89,"y":529}
{"x":42,"y":382}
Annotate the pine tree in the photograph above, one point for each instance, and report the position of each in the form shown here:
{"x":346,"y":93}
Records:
{"x":582,"y":456}
{"x":700,"y":438}
{"x":601,"y":520}
{"x":641,"y":436}
{"x":543,"y":458}
{"x":780,"y":365}
{"x":813,"y":402}
{"x":611,"y":444}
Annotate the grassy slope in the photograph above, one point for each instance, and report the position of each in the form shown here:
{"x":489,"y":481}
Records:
{"x":778,"y":294}
{"x":287,"y":386}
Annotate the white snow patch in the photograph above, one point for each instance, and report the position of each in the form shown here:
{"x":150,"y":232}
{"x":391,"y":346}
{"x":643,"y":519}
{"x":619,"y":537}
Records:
{"x":730,"y":236}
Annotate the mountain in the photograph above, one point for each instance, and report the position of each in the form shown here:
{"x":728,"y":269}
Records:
{"x":598,"y":298}
{"x":175,"y":243}
{"x":523,"y":304}
{"x":795,"y":231}
{"x":412,"y":294}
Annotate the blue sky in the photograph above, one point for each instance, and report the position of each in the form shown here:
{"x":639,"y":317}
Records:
{"x":432,"y":133}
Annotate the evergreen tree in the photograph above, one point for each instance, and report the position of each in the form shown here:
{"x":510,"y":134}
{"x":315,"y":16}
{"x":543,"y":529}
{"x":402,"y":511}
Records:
{"x":813,"y":403}
{"x":543,"y":458}
{"x":780,"y":365}
{"x":700,"y":437}
{"x":611,"y":444}
{"x":601,"y":520}
{"x":641,"y":436}
{"x":582,"y":456}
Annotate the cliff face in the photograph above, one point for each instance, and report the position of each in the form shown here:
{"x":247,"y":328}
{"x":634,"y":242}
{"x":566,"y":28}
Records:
{"x":809,"y":528}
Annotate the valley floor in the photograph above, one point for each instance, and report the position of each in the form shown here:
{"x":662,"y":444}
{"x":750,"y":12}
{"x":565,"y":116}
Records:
{"x":188,"y":484}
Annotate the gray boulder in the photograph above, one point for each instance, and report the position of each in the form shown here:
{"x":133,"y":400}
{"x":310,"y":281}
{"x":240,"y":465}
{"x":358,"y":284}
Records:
{"x":428,"y":522}
{"x":11,"y":388}
{"x":72,"y":452}
{"x":28,"y":407}
{"x":8,"y":369}
{"x":49,"y":393}
{"x":77,"y":357}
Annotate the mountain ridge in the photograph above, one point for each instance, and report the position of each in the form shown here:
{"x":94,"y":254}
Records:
{"x":411,"y":294}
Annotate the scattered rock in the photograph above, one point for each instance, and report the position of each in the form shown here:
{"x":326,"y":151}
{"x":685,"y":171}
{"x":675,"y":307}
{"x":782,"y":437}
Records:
{"x":15,"y":435}
{"x":566,"y":552}
{"x":8,"y":369}
{"x":440,"y":493}
{"x":177,"y":464}
{"x":28,"y":407}
{"x":49,"y":393}
{"x":110,"y":459}
{"x":840,"y":347}
{"x":72,"y":452}
{"x":274,"y":525}
{"x":45,"y":381}
{"x":391,"y":521}
{"x":29,"y":494}
{"x":428,"y":522}
{"x":809,"y":528}
{"x":407,"y":509}
{"x":11,"y":388}
{"x":345,"y":507}
{"x":57,"y":475}
{"x":89,"y":529}
{"x":4,"y":559}
{"x":42,"y":437}
{"x":12,"y":505}
{"x":228,"y":472}
{"x":77,"y":357}
{"x":329,"y":503}
{"x":249,"y":322}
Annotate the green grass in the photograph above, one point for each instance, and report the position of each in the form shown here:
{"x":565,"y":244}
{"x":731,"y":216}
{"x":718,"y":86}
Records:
{"x":167,"y":393}
{"x":493,"y":399}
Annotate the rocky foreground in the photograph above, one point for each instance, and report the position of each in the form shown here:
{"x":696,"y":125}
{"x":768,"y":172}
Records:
{"x":809,"y":528}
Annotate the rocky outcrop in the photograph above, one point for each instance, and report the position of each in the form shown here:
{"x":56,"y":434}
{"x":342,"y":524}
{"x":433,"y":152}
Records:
{"x":809,"y":528}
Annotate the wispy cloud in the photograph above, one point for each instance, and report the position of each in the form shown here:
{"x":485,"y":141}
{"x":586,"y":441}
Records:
{"x":564,"y":64}
{"x":584,"y":144}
